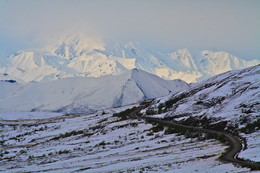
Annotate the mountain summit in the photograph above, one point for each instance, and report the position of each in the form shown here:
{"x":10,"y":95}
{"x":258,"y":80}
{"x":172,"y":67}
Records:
{"x":81,"y":94}
{"x":81,"y":56}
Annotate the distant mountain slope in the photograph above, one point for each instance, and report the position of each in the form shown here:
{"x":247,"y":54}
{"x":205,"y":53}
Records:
{"x":213,"y":63}
{"x":7,"y":87}
{"x":80,"y":56}
{"x":80,"y":94}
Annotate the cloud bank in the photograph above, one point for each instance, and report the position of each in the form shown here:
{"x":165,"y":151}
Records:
{"x":231,"y":26}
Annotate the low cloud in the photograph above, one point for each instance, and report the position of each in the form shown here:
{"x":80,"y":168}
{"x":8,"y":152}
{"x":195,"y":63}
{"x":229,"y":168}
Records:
{"x":163,"y":25}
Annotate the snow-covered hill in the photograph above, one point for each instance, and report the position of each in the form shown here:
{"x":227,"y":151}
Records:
{"x":232,"y":96}
{"x":81,"y":94}
{"x":229,"y":101}
{"x":101,"y":142}
{"x":80,"y":56}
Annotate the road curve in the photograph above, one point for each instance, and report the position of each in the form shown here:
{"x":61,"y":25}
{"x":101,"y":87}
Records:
{"x":230,"y":155}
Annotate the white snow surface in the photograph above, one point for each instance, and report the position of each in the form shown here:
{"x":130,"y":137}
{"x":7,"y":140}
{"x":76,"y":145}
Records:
{"x":253,"y":149}
{"x":81,"y":56}
{"x":7,"y":87}
{"x":100,"y":142}
{"x":228,"y":96}
{"x":233,"y":96}
{"x":27,"y":115}
{"x":82,"y":94}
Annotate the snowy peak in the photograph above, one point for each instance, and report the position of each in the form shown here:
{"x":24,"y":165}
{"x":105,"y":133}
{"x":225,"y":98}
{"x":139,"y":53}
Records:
{"x":74,"y":46}
{"x":148,"y":83}
{"x":88,"y":57}
{"x":184,"y":58}
{"x":214,"y":63}
{"x":35,"y":66}
{"x":144,"y":58}
{"x":129,"y":50}
{"x":27,"y":60}
{"x":85,"y":94}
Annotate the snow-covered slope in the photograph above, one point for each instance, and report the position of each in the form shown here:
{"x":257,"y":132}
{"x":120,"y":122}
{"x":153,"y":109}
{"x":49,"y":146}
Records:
{"x":229,"y":101}
{"x":101,"y":142}
{"x":213,"y":63}
{"x":231,"y":96}
{"x":228,"y":94}
{"x":7,"y":87}
{"x":81,"y":56}
{"x":79,"y":94}
{"x":34,"y":66}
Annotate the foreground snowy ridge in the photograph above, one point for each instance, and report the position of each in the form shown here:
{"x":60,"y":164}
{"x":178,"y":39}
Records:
{"x":78,"y":56}
{"x":229,"y":101}
{"x":81,"y":94}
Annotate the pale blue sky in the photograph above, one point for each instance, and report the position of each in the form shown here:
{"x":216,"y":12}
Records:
{"x":168,"y":25}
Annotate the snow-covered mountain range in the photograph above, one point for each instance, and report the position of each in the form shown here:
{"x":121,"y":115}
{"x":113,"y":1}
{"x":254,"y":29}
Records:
{"x":82,"y":94}
{"x":80,"y":56}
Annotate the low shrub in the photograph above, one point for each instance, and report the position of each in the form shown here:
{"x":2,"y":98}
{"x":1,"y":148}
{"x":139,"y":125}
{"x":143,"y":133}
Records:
{"x":102,"y":143}
{"x":69,"y":134}
{"x":150,"y":112}
{"x":251,"y":127}
{"x":157,"y":128}
{"x":174,"y":100}
{"x":124,"y":114}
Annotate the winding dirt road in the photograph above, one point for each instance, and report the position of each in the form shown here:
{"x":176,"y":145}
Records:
{"x":230,"y":155}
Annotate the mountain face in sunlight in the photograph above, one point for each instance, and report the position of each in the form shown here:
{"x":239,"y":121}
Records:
{"x":81,"y":56}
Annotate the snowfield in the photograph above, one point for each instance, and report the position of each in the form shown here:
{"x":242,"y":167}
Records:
{"x":27,"y":115}
{"x":253,"y":142}
{"x":101,"y":142}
